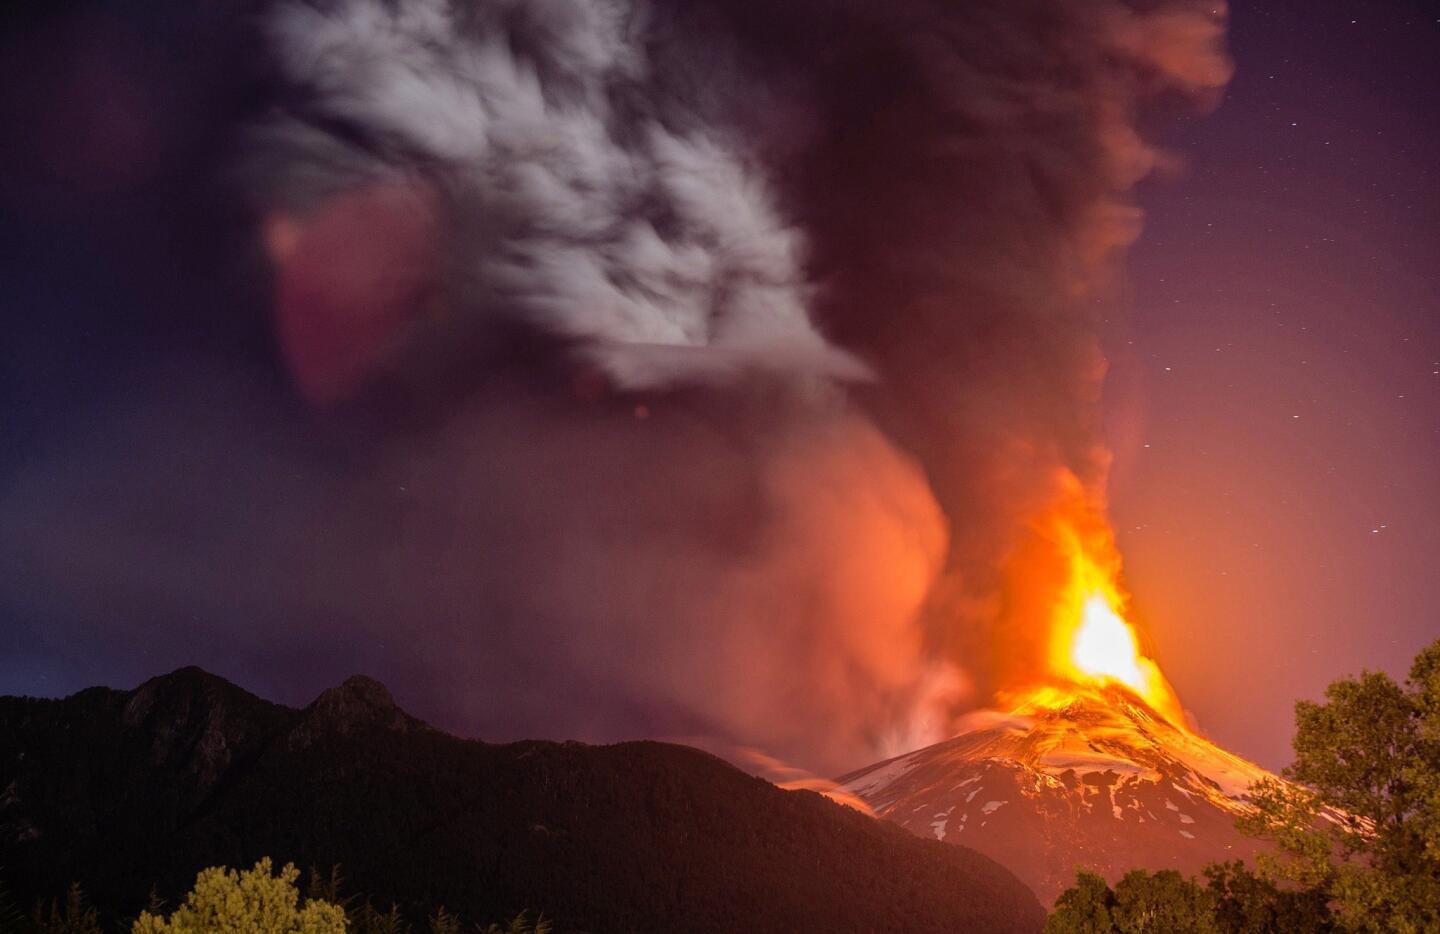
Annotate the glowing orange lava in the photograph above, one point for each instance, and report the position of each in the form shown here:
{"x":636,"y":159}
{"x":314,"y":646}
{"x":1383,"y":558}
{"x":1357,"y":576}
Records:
{"x":1091,"y":642}
{"x":1104,"y":646}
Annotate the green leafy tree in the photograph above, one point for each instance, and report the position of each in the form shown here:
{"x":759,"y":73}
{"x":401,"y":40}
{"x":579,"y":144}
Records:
{"x":1247,"y":902}
{"x":1084,"y":908}
{"x":1163,"y":902}
{"x":224,"y":901}
{"x":1234,"y":900}
{"x":1362,"y":823}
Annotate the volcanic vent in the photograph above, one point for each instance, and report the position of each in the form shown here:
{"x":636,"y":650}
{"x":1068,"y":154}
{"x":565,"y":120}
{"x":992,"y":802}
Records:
{"x":1087,"y":777}
{"x":1090,"y":764}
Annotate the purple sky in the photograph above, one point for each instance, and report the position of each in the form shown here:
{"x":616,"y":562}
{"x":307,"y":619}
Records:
{"x":1275,"y":402}
{"x":1272,"y":397}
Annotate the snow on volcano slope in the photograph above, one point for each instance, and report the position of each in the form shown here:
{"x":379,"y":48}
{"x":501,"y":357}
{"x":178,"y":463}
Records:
{"x":1087,"y":778}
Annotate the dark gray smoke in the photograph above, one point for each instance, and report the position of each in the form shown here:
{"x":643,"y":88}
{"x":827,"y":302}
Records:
{"x":681,"y":369}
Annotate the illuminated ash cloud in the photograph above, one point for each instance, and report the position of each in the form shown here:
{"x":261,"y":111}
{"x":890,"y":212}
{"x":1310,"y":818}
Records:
{"x":572,"y":188}
{"x":967,"y":192}
{"x":683,"y":368}
{"x":719,"y":191}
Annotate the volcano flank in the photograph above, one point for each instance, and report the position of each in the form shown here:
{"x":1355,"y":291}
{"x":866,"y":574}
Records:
{"x":1091,"y":777}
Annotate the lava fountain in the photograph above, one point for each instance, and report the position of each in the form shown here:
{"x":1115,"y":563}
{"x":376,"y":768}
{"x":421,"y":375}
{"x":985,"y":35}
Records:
{"x":1074,"y":593}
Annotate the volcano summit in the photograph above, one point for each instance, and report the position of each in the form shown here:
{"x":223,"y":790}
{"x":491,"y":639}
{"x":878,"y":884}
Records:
{"x":1088,"y":762}
{"x":1070,"y":777}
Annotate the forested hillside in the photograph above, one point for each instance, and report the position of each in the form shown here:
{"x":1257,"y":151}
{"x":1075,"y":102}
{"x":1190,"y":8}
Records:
{"x":122,"y":790}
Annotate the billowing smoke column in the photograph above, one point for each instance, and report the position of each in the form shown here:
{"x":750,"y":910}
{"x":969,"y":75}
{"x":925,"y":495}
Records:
{"x":685,"y":369}
{"x":540,"y":169}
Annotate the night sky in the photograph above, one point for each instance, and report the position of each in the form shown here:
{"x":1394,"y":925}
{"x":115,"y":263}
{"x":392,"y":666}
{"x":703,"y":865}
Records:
{"x":1275,"y":403}
{"x":1273,"y":398}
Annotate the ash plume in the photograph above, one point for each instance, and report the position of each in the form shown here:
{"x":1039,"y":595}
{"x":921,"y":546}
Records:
{"x":577,"y":193}
{"x":676,"y":369}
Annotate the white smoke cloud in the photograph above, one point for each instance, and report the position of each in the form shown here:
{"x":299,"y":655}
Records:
{"x":579,"y":200}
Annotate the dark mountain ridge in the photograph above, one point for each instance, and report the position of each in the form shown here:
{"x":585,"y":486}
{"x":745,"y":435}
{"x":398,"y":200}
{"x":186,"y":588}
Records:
{"x":124,"y":789}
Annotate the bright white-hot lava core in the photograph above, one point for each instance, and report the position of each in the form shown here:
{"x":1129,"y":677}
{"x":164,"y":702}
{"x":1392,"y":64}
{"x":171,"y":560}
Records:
{"x":1092,"y":643}
{"x":1104,"y":645}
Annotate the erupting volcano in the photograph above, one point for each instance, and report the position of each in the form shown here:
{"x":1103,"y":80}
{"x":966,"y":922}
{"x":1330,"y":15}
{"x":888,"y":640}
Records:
{"x":1091,"y":644}
{"x":1090,"y":762}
